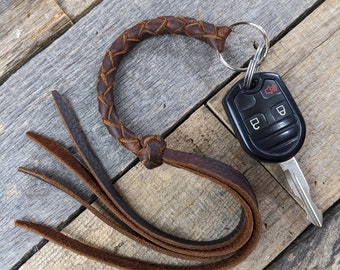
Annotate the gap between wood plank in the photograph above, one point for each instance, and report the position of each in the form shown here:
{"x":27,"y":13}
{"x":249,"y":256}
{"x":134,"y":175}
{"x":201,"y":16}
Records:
{"x":310,"y":233}
{"x":50,"y":39}
{"x":235,"y":74}
{"x":83,"y":13}
{"x":63,"y":10}
{"x":81,"y":209}
{"x":272,"y":43}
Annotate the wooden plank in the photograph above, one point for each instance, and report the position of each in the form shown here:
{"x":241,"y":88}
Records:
{"x":190,"y":207}
{"x":150,"y":97}
{"x":312,"y":76}
{"x":26,"y":27}
{"x":315,"y":248}
{"x":76,"y":9}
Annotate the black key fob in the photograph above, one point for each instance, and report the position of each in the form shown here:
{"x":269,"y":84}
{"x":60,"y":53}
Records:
{"x":265,"y":118}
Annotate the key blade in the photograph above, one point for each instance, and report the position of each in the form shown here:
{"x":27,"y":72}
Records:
{"x":300,"y":187}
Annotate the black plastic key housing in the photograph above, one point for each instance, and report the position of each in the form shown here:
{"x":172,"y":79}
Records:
{"x":265,"y":118}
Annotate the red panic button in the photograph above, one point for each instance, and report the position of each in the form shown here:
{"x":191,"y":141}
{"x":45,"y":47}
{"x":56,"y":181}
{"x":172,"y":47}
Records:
{"x":270,"y":89}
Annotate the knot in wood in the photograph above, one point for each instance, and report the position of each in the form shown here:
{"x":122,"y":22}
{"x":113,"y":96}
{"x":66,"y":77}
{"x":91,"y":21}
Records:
{"x":151,"y":152}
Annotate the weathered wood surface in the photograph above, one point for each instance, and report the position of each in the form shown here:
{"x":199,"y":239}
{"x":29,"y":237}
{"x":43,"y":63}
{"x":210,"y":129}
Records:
{"x":70,"y":64}
{"x":312,"y":75}
{"x":75,"y":9}
{"x":26,"y":27}
{"x":190,"y":207}
{"x":201,"y":133}
{"x":315,"y":248}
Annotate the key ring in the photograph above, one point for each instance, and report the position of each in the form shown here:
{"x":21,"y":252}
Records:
{"x":266,"y":47}
{"x":253,"y":67}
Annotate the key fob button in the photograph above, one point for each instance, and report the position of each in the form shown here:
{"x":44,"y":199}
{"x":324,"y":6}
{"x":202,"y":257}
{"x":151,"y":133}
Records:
{"x":280,"y":110}
{"x":270,"y":89}
{"x":256,"y":122}
{"x":271,"y":127}
{"x":244,"y":102}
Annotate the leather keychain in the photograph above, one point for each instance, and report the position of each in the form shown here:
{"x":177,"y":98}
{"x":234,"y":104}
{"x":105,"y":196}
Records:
{"x":152,"y":151}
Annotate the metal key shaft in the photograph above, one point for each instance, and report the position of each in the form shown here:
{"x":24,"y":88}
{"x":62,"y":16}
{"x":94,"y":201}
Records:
{"x":300,"y":187}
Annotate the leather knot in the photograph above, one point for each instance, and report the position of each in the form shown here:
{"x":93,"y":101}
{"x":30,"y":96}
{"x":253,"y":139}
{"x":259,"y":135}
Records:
{"x":152,"y":151}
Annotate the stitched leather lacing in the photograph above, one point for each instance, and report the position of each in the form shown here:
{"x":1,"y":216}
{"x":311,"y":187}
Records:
{"x":152,"y":151}
{"x":213,"y":35}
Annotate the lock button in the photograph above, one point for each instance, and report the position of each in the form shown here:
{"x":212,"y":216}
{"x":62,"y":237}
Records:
{"x":280,"y":110}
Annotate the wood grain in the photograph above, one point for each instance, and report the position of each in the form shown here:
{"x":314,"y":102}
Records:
{"x":314,"y":249}
{"x":312,"y":75}
{"x":160,"y":82}
{"x":26,"y":27}
{"x":75,"y":9}
{"x":186,"y":205}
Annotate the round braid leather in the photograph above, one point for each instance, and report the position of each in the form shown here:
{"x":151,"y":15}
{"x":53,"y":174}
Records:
{"x":149,"y":149}
{"x":220,"y":253}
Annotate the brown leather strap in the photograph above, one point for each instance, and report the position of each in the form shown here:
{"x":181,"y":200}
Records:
{"x":152,"y":151}
{"x":148,"y":149}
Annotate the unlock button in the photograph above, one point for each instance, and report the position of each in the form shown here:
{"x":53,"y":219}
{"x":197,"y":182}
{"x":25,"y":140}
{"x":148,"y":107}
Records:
{"x":280,"y":110}
{"x":255,"y":123}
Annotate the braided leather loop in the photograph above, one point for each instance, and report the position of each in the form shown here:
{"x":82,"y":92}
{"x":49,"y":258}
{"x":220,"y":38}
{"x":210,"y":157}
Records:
{"x":149,"y":149}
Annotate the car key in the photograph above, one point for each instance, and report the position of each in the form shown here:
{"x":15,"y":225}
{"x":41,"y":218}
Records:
{"x":270,"y":128}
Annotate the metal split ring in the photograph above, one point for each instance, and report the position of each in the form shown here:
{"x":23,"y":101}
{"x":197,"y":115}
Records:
{"x":253,"y":66}
{"x":266,"y":44}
